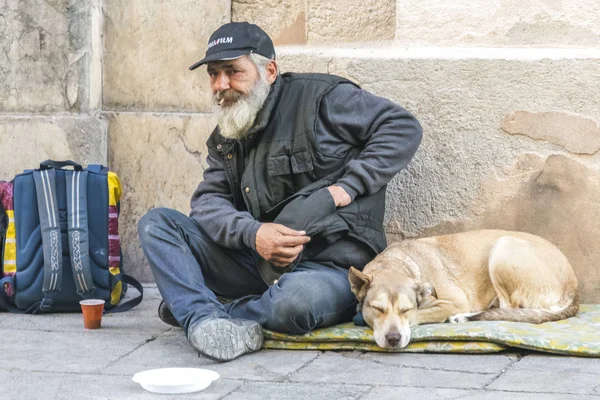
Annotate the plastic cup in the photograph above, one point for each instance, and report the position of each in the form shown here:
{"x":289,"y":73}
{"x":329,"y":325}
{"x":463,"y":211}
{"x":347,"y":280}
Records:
{"x":92,"y":313}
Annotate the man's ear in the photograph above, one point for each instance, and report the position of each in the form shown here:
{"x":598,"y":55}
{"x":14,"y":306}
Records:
{"x":425,"y":293}
{"x":359,"y":283}
{"x":272,"y":71}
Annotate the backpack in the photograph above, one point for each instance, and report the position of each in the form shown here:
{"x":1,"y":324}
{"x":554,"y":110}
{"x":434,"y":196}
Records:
{"x":59,"y":240}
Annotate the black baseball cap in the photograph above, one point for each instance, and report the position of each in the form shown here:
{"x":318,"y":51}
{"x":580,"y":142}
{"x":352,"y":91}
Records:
{"x":237,"y":39}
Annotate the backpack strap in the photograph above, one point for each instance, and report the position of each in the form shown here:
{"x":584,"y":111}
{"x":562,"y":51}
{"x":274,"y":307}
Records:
{"x":78,"y":233}
{"x":129,"y":304}
{"x":45,"y":185}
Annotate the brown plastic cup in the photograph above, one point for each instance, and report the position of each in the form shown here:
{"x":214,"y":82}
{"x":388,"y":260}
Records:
{"x":92,"y":313}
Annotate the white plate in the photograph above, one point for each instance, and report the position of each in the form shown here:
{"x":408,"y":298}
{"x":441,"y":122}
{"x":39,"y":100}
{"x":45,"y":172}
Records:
{"x":175,"y":380}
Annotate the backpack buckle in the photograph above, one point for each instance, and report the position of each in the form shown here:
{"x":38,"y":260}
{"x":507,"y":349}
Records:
{"x":46,"y":305}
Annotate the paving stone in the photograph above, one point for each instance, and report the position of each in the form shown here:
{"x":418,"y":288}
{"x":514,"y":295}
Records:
{"x":327,"y":369}
{"x":448,"y":362}
{"x":173,"y":350}
{"x":395,"y":392}
{"x":60,"y":386}
{"x":526,"y":380}
{"x":143,"y":318}
{"x":89,"y":351}
{"x":50,"y":364}
{"x":498,"y":395}
{"x":292,"y":391}
{"x":556,"y":363}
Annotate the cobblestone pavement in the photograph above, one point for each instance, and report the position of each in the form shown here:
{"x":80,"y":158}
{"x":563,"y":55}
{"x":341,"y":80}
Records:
{"x":53,"y":357}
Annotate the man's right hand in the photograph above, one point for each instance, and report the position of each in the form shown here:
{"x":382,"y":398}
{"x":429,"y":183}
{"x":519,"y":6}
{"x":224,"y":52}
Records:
{"x":279,"y":244}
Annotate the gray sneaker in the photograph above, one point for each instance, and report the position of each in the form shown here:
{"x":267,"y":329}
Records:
{"x":224,"y":339}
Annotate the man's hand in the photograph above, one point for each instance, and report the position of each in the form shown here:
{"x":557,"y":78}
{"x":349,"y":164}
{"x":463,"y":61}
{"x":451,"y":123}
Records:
{"x":279,"y":244}
{"x":340,"y":197}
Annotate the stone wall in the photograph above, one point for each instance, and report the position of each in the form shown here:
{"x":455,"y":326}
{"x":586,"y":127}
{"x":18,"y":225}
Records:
{"x":50,"y":83}
{"x":506,"y":93}
{"x":159,"y":112}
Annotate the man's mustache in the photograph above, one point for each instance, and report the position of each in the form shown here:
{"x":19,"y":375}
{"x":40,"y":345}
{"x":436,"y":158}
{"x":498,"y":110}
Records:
{"x":227,"y":96}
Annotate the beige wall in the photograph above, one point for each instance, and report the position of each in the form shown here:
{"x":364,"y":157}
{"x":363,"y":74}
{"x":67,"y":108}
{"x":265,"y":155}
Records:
{"x":49,"y":75}
{"x":506,"y":92}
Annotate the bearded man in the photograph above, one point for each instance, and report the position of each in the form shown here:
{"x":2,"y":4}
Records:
{"x":293,"y":196}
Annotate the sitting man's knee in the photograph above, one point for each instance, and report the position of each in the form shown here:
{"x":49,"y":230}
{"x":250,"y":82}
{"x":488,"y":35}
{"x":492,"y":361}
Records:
{"x":151,"y":219}
{"x":292,"y":315}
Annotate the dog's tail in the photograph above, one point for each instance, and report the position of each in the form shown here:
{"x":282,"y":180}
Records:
{"x":531,"y":315}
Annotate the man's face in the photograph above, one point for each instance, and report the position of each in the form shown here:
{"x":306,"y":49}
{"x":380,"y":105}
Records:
{"x":231,"y":80}
{"x":239,"y":92}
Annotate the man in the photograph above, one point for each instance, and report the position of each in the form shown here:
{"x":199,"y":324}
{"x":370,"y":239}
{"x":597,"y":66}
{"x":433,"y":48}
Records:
{"x":294,"y":195}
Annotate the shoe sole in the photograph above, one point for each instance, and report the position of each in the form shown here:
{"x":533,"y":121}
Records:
{"x":223,"y":340}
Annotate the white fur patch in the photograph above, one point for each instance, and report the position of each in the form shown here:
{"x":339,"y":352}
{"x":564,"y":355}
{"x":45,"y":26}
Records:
{"x":461,"y":318}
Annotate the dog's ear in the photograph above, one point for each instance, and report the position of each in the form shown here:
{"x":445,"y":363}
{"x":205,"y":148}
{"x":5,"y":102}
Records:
{"x":359,"y":283}
{"x":425,"y":292}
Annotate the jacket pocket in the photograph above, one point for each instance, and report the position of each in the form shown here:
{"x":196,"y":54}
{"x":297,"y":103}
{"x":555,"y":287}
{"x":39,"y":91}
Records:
{"x":279,"y":165}
{"x":298,"y":162}
{"x":301,"y":162}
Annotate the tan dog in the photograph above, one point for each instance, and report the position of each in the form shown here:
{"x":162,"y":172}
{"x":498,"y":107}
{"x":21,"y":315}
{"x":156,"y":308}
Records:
{"x":459,"y":277}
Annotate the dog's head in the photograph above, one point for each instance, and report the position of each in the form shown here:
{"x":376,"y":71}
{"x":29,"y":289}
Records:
{"x":389,"y":304}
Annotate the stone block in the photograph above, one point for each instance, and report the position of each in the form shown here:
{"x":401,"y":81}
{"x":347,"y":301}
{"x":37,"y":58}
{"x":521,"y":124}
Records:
{"x":524,"y":380}
{"x":350,"y":21}
{"x":94,"y":352}
{"x":394,"y":392}
{"x":287,"y":25}
{"x":583,"y":133}
{"x":130,"y":322}
{"x":538,"y":23}
{"x":160,"y":159}
{"x":294,"y":391}
{"x":27,"y":141}
{"x":113,"y":385}
{"x":469,"y":171}
{"x":483,"y":363}
{"x":173,"y":350}
{"x":366,"y":372}
{"x":556,"y":363}
{"x":149,"y":47}
{"x":46,"y":62}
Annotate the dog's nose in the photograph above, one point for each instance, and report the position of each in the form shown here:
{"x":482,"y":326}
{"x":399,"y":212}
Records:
{"x":393,"y":338}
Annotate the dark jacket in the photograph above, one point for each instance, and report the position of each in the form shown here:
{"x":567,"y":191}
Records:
{"x":313,"y":131}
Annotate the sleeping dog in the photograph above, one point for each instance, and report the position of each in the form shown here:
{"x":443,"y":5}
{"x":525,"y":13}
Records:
{"x":486,"y":275}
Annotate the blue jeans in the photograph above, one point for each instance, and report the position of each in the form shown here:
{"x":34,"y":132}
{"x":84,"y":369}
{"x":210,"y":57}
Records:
{"x":190,"y":270}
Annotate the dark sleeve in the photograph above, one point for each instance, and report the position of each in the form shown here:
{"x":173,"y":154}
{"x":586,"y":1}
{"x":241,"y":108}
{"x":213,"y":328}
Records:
{"x":389,"y":133}
{"x":212,"y":208}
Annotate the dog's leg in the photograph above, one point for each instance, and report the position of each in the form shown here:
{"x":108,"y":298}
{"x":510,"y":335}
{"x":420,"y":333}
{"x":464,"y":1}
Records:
{"x":439,"y":311}
{"x":461,"y":318}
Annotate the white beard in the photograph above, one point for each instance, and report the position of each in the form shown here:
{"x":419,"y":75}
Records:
{"x":235,"y":120}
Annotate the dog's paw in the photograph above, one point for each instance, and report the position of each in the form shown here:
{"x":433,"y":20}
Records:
{"x":460,"y":318}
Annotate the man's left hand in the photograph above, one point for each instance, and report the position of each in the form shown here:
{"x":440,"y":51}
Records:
{"x":340,"y":197}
